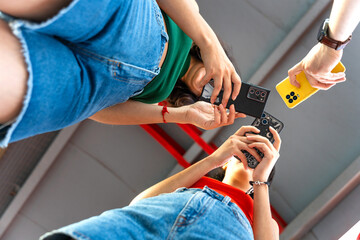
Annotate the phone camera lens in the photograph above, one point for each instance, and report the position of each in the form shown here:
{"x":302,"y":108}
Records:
{"x":292,"y":93}
{"x":290,"y":100}
{"x":257,"y":93}
{"x":287,"y":96}
{"x":265,"y":122}
{"x":295,"y":97}
{"x":263,"y":94}
{"x":263,"y":115}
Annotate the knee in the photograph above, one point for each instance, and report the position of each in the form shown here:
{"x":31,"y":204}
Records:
{"x":13,"y":74}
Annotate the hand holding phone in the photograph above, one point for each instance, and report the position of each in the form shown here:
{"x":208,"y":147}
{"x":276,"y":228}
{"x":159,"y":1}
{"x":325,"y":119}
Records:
{"x":292,"y":95}
{"x":263,"y":124}
{"x":251,"y":99}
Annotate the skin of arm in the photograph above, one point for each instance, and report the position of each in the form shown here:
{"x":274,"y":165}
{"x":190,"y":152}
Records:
{"x":321,"y":59}
{"x":185,"y":14}
{"x":265,"y":228}
{"x":201,"y":114}
{"x":192,"y":174}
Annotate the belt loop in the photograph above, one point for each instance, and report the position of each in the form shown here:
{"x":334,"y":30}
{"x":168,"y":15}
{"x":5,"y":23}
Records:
{"x":226,"y":200}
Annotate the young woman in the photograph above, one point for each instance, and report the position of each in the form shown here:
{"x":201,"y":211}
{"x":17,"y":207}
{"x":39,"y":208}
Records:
{"x":65,"y":61}
{"x":190,"y":206}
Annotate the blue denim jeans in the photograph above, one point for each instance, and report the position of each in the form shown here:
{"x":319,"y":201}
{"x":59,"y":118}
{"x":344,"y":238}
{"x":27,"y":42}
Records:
{"x":91,"y":55}
{"x":185,"y":214}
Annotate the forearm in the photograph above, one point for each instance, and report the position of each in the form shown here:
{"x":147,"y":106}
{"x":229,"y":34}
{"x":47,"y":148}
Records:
{"x":264,"y":225}
{"x":186,"y":15}
{"x":344,"y":17}
{"x":134,"y":113}
{"x":185,"y":178}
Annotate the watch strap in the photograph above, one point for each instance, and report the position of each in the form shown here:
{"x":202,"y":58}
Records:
{"x":337,"y":45}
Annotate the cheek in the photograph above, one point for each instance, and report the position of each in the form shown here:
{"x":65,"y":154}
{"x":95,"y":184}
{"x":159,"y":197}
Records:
{"x":197,"y":84}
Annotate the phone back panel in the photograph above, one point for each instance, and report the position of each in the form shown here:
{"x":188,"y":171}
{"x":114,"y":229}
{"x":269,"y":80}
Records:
{"x":251,"y":99}
{"x":293,"y":96}
{"x":263,"y":124}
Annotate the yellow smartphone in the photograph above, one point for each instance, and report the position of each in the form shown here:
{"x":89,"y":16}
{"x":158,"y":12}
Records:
{"x":292,"y":95}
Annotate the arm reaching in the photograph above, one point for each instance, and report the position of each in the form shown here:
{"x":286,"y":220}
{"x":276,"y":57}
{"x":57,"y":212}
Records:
{"x":321,"y":59}
{"x":192,"y":174}
{"x":264,"y":226}
{"x":201,"y":114}
{"x":185,"y":14}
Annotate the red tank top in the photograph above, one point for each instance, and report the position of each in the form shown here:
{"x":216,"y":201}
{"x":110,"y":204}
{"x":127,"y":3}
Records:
{"x":240,"y":198}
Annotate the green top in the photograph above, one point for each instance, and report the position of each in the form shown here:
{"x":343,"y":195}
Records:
{"x":175,"y":65}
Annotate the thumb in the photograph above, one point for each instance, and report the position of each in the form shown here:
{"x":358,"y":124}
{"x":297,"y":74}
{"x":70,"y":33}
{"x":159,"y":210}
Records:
{"x":293,"y":72}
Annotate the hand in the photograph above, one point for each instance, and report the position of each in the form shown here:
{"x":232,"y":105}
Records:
{"x":270,"y":151}
{"x":208,"y":116}
{"x":233,"y":146}
{"x":219,"y":67}
{"x":317,"y":66}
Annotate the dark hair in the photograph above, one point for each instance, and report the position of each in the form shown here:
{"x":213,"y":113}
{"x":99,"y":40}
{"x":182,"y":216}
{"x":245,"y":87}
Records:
{"x":181,"y":94}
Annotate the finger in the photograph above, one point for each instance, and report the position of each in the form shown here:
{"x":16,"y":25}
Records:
{"x":260,"y":139}
{"x":330,"y":76}
{"x":277,"y":139}
{"x":240,"y":115}
{"x":245,"y":129}
{"x":217,"y":116}
{"x":231,"y":115}
{"x":327,"y":81}
{"x":227,"y":90}
{"x":254,"y":153}
{"x":293,"y":72}
{"x":241,"y":157}
{"x":237,"y":85}
{"x":217,"y":89}
{"x":316,"y":84}
{"x":262,"y":148}
{"x":223,"y":115}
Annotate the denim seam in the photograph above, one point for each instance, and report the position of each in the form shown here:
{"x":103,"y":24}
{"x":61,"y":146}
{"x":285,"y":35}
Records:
{"x":200,"y":213}
{"x":242,"y":219}
{"x":25,"y":51}
{"x":161,"y":22}
{"x":103,"y":59}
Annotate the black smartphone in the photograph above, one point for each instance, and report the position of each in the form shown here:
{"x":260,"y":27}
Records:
{"x":263,"y":124}
{"x":251,"y":99}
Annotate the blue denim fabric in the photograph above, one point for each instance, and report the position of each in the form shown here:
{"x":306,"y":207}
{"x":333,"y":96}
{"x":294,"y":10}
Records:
{"x":91,"y":55}
{"x":185,"y":214}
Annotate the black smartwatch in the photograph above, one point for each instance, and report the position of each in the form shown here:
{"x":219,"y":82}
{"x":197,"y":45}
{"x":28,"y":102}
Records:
{"x":323,"y":37}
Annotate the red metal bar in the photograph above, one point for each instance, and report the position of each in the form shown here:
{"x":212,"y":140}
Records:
{"x":198,"y":139}
{"x":194,"y":128}
{"x":167,"y":142}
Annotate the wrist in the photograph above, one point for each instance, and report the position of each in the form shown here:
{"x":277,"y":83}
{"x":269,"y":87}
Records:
{"x":176,"y":115}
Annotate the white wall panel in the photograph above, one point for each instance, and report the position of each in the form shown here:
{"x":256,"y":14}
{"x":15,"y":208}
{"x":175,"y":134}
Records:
{"x":76,"y":187}
{"x":23,"y":228}
{"x":341,"y":218}
{"x":127,"y":151}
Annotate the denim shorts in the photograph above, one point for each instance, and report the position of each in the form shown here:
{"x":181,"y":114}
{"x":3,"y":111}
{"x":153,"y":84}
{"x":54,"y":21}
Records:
{"x":91,"y":55}
{"x":185,"y":214}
